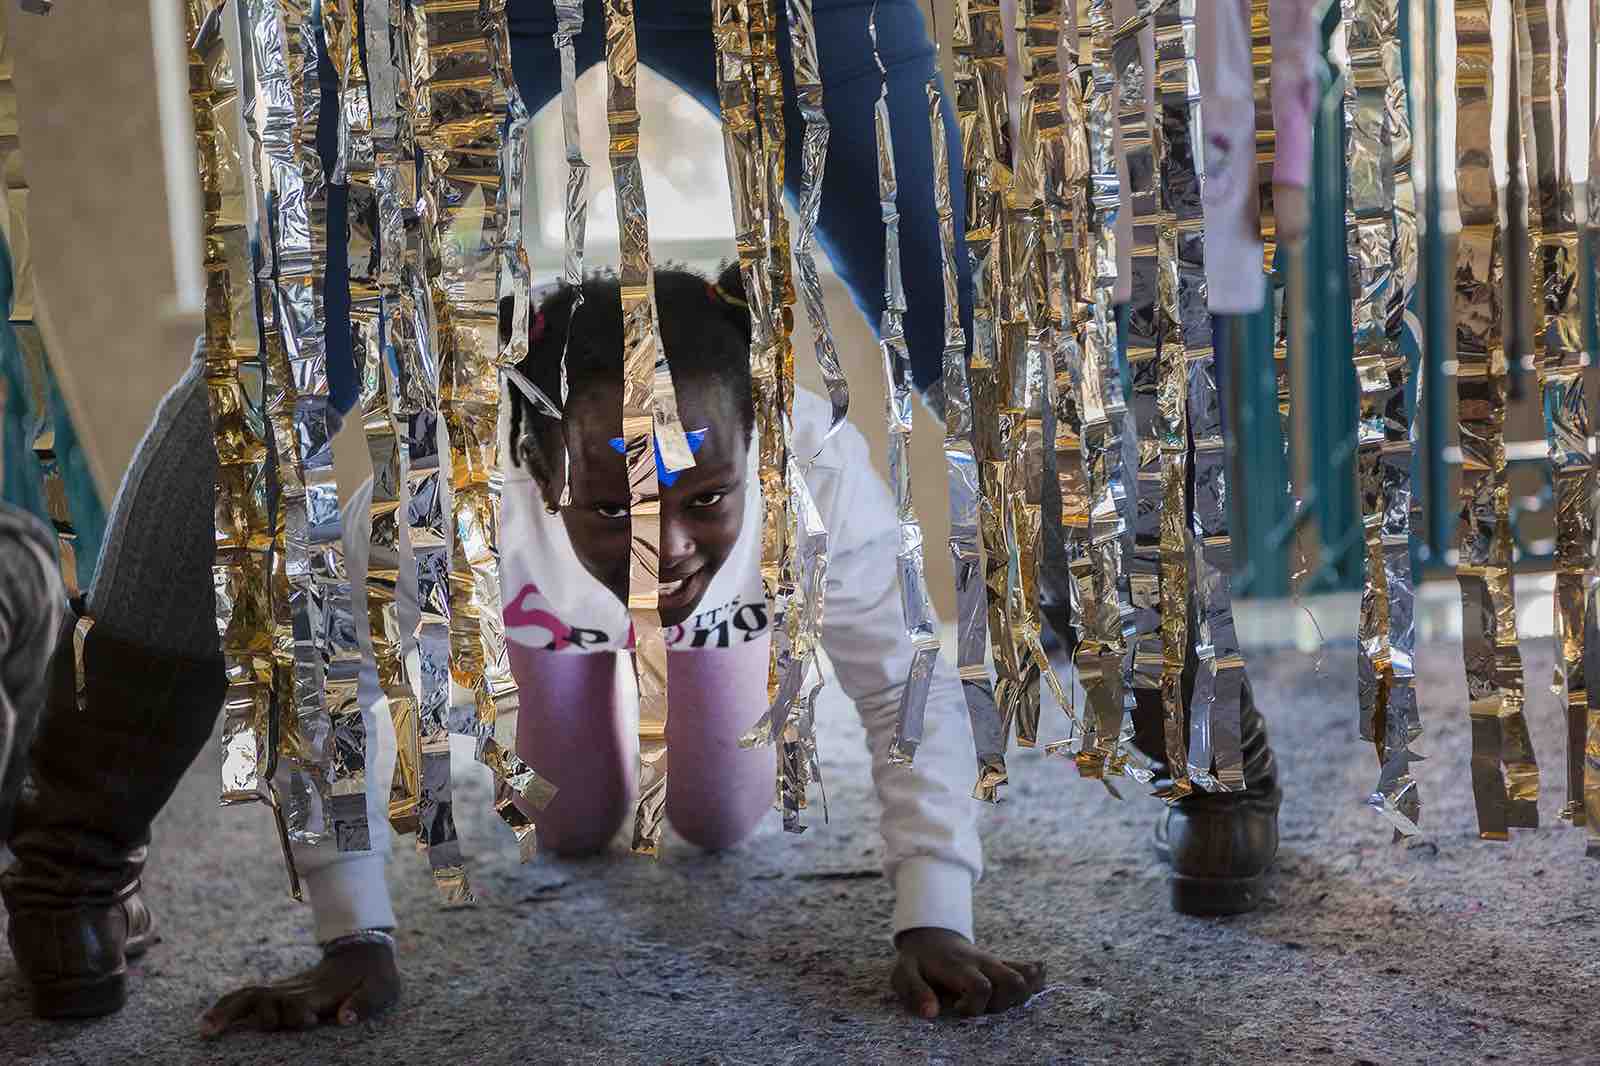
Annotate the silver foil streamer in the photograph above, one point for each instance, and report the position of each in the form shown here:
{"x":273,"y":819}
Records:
{"x":575,"y":214}
{"x":386,"y":402}
{"x":1215,"y":756}
{"x":222,"y":88}
{"x":1381,"y":236}
{"x":1558,"y":298}
{"x":813,"y":157}
{"x":988,"y":731}
{"x":1144,"y":667}
{"x":916,"y":609}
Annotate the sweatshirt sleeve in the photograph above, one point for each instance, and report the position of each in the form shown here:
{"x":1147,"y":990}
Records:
{"x":932,"y":855}
{"x":347,"y":889}
{"x":1296,"y":47}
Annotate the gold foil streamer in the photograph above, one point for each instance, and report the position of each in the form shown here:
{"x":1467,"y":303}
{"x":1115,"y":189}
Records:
{"x":988,"y":730}
{"x":1089,"y":394}
{"x":794,"y":543}
{"x":1171,"y":387}
{"x":421,"y":349}
{"x":921,"y":626}
{"x":478,"y":530}
{"x":1145,"y":667}
{"x":813,"y":157}
{"x":1591,"y":783}
{"x":1377,"y":153}
{"x":1489,"y":640}
{"x":249,"y":575}
{"x":642,"y":355}
{"x":1557,"y":255}
{"x":569,"y":23}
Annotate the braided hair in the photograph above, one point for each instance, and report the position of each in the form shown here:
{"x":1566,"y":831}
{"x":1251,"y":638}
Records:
{"x":705,"y":328}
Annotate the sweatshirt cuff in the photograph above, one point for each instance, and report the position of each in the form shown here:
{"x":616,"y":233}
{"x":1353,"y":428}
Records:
{"x":349,"y":895}
{"x":932,"y":893}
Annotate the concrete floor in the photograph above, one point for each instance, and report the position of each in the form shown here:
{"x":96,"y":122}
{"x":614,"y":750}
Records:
{"x":1367,"y":952}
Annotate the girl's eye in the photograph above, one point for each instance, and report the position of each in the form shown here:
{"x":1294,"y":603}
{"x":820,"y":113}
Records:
{"x":611,"y":510}
{"x":708,"y":499}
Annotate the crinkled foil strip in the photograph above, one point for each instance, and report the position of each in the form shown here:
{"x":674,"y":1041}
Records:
{"x":921,"y":626}
{"x":354,"y":165}
{"x":1143,"y":669}
{"x":1557,"y":254}
{"x":1373,"y":154}
{"x":1171,"y":388}
{"x":477,"y":530}
{"x":421,"y":349}
{"x":1100,"y":591}
{"x":1055,"y":157}
{"x":642,"y":354}
{"x":236,"y":390}
{"x":1215,"y":757}
{"x":1591,"y":783}
{"x":569,"y":23}
{"x":983,"y":114}
{"x":788,"y":558}
{"x":775,"y":390}
{"x":475,"y":173}
{"x":988,"y":731}
{"x":1024,"y":316}
{"x":813,"y":157}
{"x":278,"y":39}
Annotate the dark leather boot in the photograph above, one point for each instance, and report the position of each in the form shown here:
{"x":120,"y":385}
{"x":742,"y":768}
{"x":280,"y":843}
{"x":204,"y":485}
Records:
{"x":99,"y":776}
{"x":1218,"y":844}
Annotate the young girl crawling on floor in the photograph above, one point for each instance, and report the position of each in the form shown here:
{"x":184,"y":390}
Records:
{"x":564,"y":574}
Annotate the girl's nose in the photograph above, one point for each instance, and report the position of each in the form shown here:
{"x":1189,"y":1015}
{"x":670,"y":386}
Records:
{"x":677,"y":544}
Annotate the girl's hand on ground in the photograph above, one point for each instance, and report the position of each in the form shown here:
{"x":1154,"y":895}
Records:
{"x":938,"y":964}
{"x":350,"y":984}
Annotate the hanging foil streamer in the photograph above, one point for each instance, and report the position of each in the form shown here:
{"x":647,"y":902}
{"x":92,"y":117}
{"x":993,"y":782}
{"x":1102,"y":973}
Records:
{"x":1558,"y":255}
{"x":1143,"y":670}
{"x":642,"y":355}
{"x":813,"y":156}
{"x":421,"y":347}
{"x":988,"y":731}
{"x":478,"y":525}
{"x":1215,"y":757}
{"x":1493,"y":662}
{"x":794,"y":544}
{"x":279,"y":42}
{"x":921,"y":626}
{"x":348,"y":815}
{"x":1177,"y":191}
{"x":236,"y":390}
{"x":569,"y":23}
{"x":1591,"y":784}
{"x":1089,"y":393}
{"x":1377,"y":152}
{"x":481,"y":300}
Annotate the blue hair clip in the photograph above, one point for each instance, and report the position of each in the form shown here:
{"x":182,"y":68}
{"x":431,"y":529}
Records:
{"x":695,"y":437}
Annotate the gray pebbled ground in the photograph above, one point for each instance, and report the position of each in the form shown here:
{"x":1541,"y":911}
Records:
{"x":1455,"y":950}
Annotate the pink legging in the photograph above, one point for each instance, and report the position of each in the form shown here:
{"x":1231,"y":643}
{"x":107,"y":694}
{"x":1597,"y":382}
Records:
{"x":571,"y":730}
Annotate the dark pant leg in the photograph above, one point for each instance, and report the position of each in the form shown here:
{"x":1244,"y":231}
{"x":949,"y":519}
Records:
{"x":32,"y":602}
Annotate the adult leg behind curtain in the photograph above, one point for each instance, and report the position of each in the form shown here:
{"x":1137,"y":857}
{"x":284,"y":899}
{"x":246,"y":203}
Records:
{"x":104,"y":764}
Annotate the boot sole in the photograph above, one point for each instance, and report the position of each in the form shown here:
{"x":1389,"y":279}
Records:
{"x":91,"y":999}
{"x":1209,"y":897}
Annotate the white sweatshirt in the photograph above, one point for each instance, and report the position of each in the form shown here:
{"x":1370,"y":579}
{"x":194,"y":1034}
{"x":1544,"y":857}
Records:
{"x":931,"y":851}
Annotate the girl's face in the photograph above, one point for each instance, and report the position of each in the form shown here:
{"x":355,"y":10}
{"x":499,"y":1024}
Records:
{"x":701,"y":511}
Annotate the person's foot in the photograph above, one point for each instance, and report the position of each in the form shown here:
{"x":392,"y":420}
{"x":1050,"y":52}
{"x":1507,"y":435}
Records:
{"x":74,"y":956}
